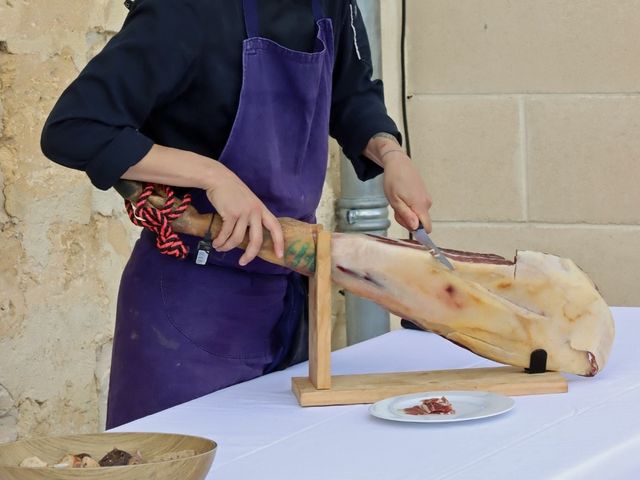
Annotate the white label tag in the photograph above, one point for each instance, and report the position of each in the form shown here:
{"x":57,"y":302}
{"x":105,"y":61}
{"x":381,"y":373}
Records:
{"x":202,"y":257}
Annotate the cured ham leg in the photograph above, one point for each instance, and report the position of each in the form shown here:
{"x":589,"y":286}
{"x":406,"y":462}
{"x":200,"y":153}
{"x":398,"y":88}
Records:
{"x":499,"y":309}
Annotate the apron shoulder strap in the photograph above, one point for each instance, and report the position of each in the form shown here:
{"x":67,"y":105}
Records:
{"x":251,"y":21}
{"x":251,"y":18}
{"x":318,"y":11}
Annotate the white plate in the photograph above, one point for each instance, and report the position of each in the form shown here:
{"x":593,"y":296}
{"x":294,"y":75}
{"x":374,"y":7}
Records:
{"x":469,"y":405}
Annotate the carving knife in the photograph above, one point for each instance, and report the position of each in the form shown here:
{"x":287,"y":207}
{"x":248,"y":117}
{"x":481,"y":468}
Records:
{"x":421,"y":235}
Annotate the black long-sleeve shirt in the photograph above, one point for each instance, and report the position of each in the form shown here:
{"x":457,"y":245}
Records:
{"x":173,"y":74}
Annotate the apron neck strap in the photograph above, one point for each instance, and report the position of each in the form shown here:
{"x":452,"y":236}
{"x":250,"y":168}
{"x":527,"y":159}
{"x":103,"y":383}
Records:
{"x":252,"y":20}
{"x":318,"y":12}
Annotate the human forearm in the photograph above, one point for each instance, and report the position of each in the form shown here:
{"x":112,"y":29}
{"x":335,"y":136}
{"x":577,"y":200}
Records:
{"x":382,"y":147}
{"x":179,"y":168}
{"x":240,"y":209}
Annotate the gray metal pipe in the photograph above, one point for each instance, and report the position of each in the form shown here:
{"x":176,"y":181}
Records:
{"x":362,"y":206}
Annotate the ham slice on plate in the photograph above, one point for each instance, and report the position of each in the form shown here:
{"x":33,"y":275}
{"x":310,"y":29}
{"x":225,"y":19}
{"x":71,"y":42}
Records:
{"x":431,"y":406}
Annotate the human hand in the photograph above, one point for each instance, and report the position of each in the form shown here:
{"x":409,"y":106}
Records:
{"x":240,"y":210}
{"x":403,"y":184}
{"x":406,"y":191}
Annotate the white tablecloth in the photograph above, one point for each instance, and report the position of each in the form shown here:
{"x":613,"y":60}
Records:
{"x":591,"y":432}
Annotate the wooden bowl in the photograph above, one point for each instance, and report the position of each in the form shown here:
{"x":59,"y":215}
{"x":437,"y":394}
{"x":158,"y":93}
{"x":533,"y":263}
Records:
{"x":52,"y":449}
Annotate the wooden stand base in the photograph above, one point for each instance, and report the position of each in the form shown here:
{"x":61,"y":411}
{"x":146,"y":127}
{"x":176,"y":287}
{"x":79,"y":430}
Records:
{"x":320,"y":388}
{"x":369,"y":388}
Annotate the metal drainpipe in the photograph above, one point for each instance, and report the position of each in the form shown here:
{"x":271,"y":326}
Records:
{"x":362,"y":206}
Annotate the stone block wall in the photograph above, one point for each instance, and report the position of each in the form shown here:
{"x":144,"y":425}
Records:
{"x":524,"y":116}
{"x":63,"y":244}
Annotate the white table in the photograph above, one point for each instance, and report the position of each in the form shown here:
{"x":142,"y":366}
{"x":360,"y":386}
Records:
{"x":592,"y":432}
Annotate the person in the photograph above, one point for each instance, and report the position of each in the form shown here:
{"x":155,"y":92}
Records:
{"x":233,"y":101}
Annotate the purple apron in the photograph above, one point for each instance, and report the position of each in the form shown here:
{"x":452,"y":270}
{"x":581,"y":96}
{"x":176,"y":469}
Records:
{"x":184,"y":330}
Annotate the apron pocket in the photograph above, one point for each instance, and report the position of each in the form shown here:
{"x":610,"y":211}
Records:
{"x":225,"y":312}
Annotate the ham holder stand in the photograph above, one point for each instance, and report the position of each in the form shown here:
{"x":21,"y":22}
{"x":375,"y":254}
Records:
{"x":320,"y":388}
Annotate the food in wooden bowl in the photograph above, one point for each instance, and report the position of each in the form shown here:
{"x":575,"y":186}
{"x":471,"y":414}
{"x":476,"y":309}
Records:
{"x":108,"y":456}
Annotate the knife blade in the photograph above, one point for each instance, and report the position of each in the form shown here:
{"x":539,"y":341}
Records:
{"x":421,"y":235}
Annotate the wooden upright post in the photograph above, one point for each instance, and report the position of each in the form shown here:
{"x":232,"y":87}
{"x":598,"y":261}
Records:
{"x":320,"y":315}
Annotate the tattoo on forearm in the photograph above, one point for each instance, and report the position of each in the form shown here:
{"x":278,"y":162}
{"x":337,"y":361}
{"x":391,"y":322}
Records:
{"x":301,"y":255}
